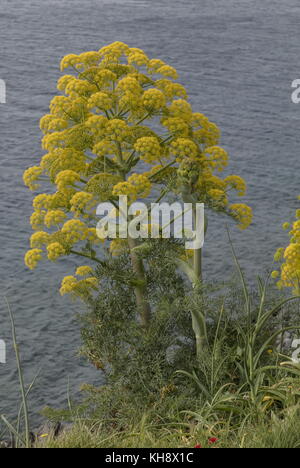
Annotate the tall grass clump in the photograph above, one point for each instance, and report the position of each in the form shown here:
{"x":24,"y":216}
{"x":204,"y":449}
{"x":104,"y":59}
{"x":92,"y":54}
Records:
{"x":20,"y":434}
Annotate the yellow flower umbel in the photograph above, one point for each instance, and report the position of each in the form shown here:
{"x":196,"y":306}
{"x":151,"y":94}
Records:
{"x":242,"y":213}
{"x":289,"y":257}
{"x":117,"y":111}
{"x":32,"y":258}
{"x":79,"y":287}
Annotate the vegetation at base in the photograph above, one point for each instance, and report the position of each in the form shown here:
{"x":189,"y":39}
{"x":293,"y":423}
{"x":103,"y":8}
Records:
{"x":243,"y":391}
{"x":266,"y":432}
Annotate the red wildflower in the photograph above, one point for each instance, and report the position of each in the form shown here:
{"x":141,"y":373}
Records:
{"x":213,"y":440}
{"x":198,"y":446}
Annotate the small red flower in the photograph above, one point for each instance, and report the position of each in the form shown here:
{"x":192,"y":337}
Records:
{"x":213,"y":440}
{"x":198,"y":446}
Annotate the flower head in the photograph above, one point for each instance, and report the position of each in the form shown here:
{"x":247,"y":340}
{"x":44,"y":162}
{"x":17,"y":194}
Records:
{"x":32,"y":258}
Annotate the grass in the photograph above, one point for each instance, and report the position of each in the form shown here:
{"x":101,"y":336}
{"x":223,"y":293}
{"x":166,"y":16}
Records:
{"x":19,"y":438}
{"x":275,"y":432}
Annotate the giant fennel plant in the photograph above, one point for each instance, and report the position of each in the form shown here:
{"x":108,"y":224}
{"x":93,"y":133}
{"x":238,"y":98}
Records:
{"x":122,"y":125}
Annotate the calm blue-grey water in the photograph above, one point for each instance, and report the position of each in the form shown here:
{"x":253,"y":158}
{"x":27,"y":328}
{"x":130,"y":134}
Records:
{"x":237,"y":58}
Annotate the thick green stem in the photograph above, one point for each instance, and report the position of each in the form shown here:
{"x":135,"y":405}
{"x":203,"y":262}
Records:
{"x":198,"y":316}
{"x":199,"y":327}
{"x":140,"y":289}
{"x":198,"y":263}
{"x":80,"y":254}
{"x":198,"y":252}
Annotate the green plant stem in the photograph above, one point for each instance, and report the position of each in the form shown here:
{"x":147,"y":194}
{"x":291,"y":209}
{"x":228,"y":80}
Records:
{"x":140,"y":289}
{"x":162,"y":169}
{"x":144,"y":118}
{"x":198,"y":252}
{"x":95,"y":259}
{"x":201,"y":335}
{"x":22,"y":407}
{"x":13,"y":431}
{"x":198,"y":263}
{"x":21,"y":378}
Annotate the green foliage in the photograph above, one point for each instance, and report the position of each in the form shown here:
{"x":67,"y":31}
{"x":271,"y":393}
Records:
{"x":279,"y":431}
{"x":113,"y":339}
{"x":145,"y":402}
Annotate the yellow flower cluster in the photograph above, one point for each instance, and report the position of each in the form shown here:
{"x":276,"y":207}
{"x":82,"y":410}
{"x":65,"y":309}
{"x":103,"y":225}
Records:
{"x":219,"y":196}
{"x":101,"y":100}
{"x":243,"y":214}
{"x":279,"y":254}
{"x":171,"y":89}
{"x":208,"y":181}
{"x":141,"y":183}
{"x":105,"y":148}
{"x":41,"y":202}
{"x":82,"y":201}
{"x":184,"y":148}
{"x":168,"y":71}
{"x":37,"y":219}
{"x":138,"y":57}
{"x":129,"y":84}
{"x":216,"y":157}
{"x":39,"y":239}
{"x":54,"y":218}
{"x":176,"y":126}
{"x":50,"y":123}
{"x":149,"y":149}
{"x":97,"y":125}
{"x":137,"y":186}
{"x":63,"y":159}
{"x":79,"y":88}
{"x":114,"y":51}
{"x":154,"y":65}
{"x":182,"y":109}
{"x":63,"y":83}
{"x":118,"y":108}
{"x":117,"y":130}
{"x":53,"y":140}
{"x":81,"y":288}
{"x":32,"y":258}
{"x":68,"y":285}
{"x":290,"y":257}
{"x":153,"y":99}
{"x":84,"y":271}
{"x":237,"y":183}
{"x":74,"y":231}
{"x":65,"y":179}
{"x":31,"y":176}
{"x":79,"y":62}
{"x":205,"y":132}
{"x":55,"y":250}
